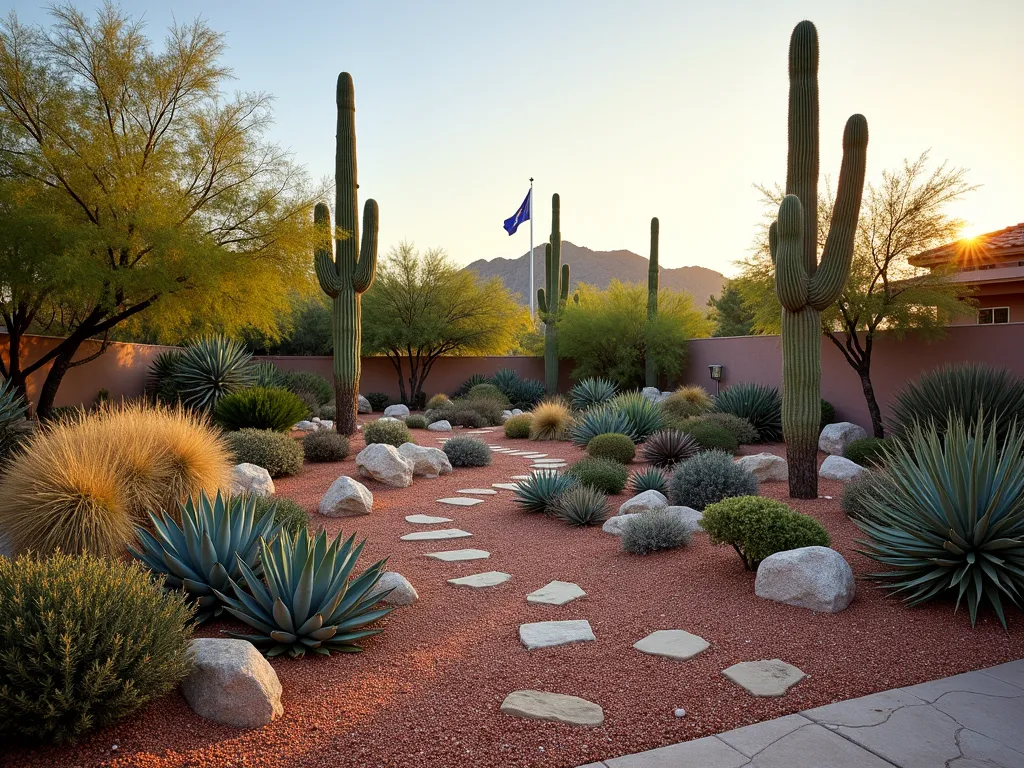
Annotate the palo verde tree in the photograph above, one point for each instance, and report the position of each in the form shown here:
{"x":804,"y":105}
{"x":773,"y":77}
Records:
{"x":167,"y":199}
{"x":903,"y":215}
{"x":423,"y":306}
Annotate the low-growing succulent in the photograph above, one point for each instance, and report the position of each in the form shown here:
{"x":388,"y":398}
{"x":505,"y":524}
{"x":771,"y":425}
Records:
{"x":581,"y":505}
{"x":757,"y":527}
{"x":643,"y":415}
{"x":386,"y":431}
{"x":540,"y":492}
{"x":648,"y":479}
{"x":708,"y":477}
{"x":325,"y":445}
{"x":654,"y":530}
{"x":599,"y":421}
{"x":306,"y":600}
{"x":759,"y":404}
{"x":587,"y":393}
{"x":668,"y":447}
{"x":605,"y":475}
{"x":467,"y":452}
{"x":518,"y":427}
{"x":612,"y":446}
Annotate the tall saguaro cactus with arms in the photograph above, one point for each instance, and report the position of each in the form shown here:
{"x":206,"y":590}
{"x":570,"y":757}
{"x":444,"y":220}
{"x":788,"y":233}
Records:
{"x":804,"y":286}
{"x":653,"y":283}
{"x":346,"y":268}
{"x":551,"y":301}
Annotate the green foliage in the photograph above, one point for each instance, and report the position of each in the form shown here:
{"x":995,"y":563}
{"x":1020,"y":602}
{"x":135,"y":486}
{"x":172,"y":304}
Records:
{"x":415,"y":421}
{"x":828,"y":414}
{"x":275,"y":452}
{"x":605,"y":475}
{"x":729,"y":314}
{"x":581,"y":505}
{"x":856,"y":491}
{"x":378,"y":400}
{"x":13,"y":425}
{"x":468,"y":384}
{"x":265,"y":375}
{"x":438,"y":401}
{"x":467,"y":452}
{"x":709,"y":477}
{"x":540,"y":493}
{"x":306,"y":599}
{"x":740,"y":428}
{"x":668,"y":447}
{"x":686,"y":402}
{"x":201,"y":554}
{"x":518,"y":427}
{"x":489,"y":391}
{"x":759,"y":404}
{"x":602,"y":420}
{"x":388,"y":432}
{"x":648,"y":479}
{"x":607,"y":334}
{"x":521,"y":393}
{"x":305,"y":330}
{"x":961,"y":392}
{"x":209,"y":369}
{"x":616,"y":447}
{"x":301,"y":382}
{"x":654,"y":530}
{"x":462,"y":417}
{"x":867,"y":451}
{"x":160,"y":382}
{"x":592,"y":391}
{"x":260,"y":408}
{"x":757,"y":527}
{"x":952,"y":520}
{"x":643,"y":415}
{"x":84,"y":642}
{"x":475,"y":412}
{"x":311,"y":404}
{"x":288,"y":514}
{"x":328,"y":412}
{"x":710,"y":436}
{"x":325,"y":445}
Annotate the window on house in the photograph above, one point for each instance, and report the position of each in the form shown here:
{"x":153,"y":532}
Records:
{"x":993,"y":316}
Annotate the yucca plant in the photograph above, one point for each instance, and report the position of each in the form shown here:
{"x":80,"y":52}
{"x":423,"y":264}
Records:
{"x":581,"y":506}
{"x":210,"y":368}
{"x":648,"y":479}
{"x":160,"y":375}
{"x":668,"y":447}
{"x":643,"y":416}
{"x":265,"y":375}
{"x":541,"y":491}
{"x":950,"y":519}
{"x":468,"y":384}
{"x":759,"y":404}
{"x":599,"y":421}
{"x":13,"y":424}
{"x":305,"y":601}
{"x":204,"y":552}
{"x":590,"y":392}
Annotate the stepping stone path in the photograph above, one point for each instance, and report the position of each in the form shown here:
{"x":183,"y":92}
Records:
{"x":456,"y":555}
{"x":772,"y":677}
{"x":547,"y":466}
{"x":443,"y":533}
{"x":507,"y":486}
{"x":463,"y":501}
{"x":556,"y":593}
{"x":478,"y":491}
{"x":547,"y":634}
{"x":521,"y":477}
{"x":426,"y":519}
{"x":535,"y":455}
{"x":549,"y":461}
{"x":673,"y":644}
{"x":481,"y":580}
{"x":541,"y":705}
{"x":520,"y":453}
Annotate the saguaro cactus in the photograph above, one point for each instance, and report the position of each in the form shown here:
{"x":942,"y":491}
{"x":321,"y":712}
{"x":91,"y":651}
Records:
{"x":804,"y":286}
{"x":346,"y":269}
{"x":551,"y":302}
{"x":653,"y":283}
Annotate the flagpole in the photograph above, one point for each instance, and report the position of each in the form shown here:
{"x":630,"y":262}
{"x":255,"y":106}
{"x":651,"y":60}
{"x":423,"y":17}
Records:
{"x":531,"y":247}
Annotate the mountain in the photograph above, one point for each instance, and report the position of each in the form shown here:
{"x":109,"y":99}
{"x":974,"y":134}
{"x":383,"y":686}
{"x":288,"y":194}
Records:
{"x":600,"y":268}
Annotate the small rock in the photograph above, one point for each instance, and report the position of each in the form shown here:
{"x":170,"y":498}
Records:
{"x":541,"y":705}
{"x":680,"y":712}
{"x":816,"y":578}
{"x":426,"y":462}
{"x":766,"y":467}
{"x":835,"y":437}
{"x":772,"y":677}
{"x":385,"y":465}
{"x":547,"y":634}
{"x":402,"y":592}
{"x":306,"y":426}
{"x":440,"y":426}
{"x":838,"y":468}
{"x":517,"y":412}
{"x":346,"y":498}
{"x":644,"y":502}
{"x":390,"y":420}
{"x":397,"y":410}
{"x":651,"y":393}
{"x":326,"y":424}
{"x":232,"y":683}
{"x":315,"y":419}
{"x":673,"y":644}
{"x":364,"y":405}
{"x":252,"y":479}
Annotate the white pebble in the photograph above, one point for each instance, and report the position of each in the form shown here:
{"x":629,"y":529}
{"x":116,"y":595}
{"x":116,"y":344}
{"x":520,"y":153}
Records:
{"x":680,"y":712}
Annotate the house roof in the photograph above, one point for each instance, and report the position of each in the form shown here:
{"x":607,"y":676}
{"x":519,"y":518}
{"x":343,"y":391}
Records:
{"x":1002,"y":242}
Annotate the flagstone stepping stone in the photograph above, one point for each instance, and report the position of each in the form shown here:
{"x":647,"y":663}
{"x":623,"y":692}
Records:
{"x":535,"y":455}
{"x":521,"y":477}
{"x":547,"y":634}
{"x":556,"y":593}
{"x":455,"y":555}
{"x":443,"y":533}
{"x":557,"y":707}
{"x":520,"y":453}
{"x":547,"y":466}
{"x":771,"y":677}
{"x":552,"y":460}
{"x":507,"y":486}
{"x":463,"y":501}
{"x":673,"y":644}
{"x":481,"y":580}
{"x":478,"y":491}
{"x":426,"y":519}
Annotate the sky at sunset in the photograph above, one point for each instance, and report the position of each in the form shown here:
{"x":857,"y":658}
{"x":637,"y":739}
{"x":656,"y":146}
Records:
{"x":627,"y":109}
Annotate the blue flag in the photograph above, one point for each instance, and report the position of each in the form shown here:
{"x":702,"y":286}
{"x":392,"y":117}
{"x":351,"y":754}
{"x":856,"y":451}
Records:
{"x":523,"y":214}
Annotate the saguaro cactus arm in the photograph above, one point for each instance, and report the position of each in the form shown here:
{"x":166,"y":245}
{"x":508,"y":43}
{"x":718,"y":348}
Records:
{"x":790,"y":275}
{"x":563,"y":291}
{"x":323,"y":255}
{"x":802,"y":162}
{"x":366,"y":267}
{"x":541,"y":294}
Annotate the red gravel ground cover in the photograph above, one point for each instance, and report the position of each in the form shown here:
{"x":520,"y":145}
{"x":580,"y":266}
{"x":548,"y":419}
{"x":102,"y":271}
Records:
{"x":426,"y":692}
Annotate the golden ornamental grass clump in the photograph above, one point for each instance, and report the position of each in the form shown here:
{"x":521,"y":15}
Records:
{"x":84,"y":482}
{"x":551,"y":420}
{"x":687,"y":402}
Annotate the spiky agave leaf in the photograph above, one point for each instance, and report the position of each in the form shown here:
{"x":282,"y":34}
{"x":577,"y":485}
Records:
{"x":648,"y":479}
{"x":210,"y":368}
{"x":950,"y":519}
{"x":160,"y":374}
{"x":759,"y":404}
{"x":203,"y":554}
{"x":306,"y":600}
{"x":668,"y":447}
{"x":265,"y":375}
{"x":600,"y":421}
{"x":541,"y":491}
{"x":13,"y":424}
{"x":643,"y":415}
{"x":581,"y":505}
{"x":590,"y":392}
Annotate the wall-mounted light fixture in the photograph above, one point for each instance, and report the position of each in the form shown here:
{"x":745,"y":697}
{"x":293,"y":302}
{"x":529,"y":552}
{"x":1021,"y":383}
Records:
{"x":716,"y":375}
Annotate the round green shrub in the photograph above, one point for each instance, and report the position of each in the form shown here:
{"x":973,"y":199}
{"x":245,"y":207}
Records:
{"x":612,"y":446}
{"x":518,"y":427}
{"x":491,"y":409}
{"x":711,"y":436}
{"x":329,"y":412}
{"x":654,"y":530}
{"x":605,"y":475}
{"x":275,"y":452}
{"x":304,"y":381}
{"x":740,"y":427}
{"x":84,"y":642}
{"x":709,"y":477}
{"x":260,"y":408}
{"x":467,"y":452}
{"x":867,"y":451}
{"x":757,"y":527}
{"x":465,"y":417}
{"x":378,"y":400}
{"x":290,"y":514}
{"x":325,"y":445}
{"x":686,"y":402}
{"x":416,"y":421}
{"x":438,"y":401}
{"x":581,"y":505}
{"x":489,"y":391}
{"x":388,"y":432}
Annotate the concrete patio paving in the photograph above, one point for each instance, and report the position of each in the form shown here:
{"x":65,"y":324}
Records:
{"x":973,"y":720}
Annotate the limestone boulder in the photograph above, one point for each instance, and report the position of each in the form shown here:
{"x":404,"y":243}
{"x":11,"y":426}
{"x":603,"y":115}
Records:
{"x":232,"y":683}
{"x":835,"y":437}
{"x":440,"y":426}
{"x":385,"y":464}
{"x":690,"y":517}
{"x":816,"y":578}
{"x":838,"y":468}
{"x":402,"y":591}
{"x":397,"y":410}
{"x":766,"y":467}
{"x":426,"y":462}
{"x":651,"y":393}
{"x":346,"y":498}
{"x":644,"y":502}
{"x":616,"y":523}
{"x":306,"y":426}
{"x":364,"y":405}
{"x":252,"y":479}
